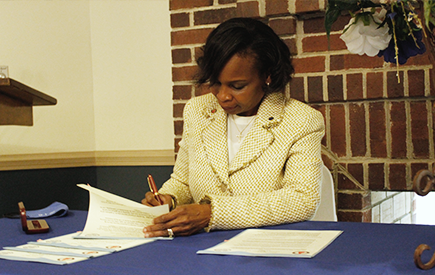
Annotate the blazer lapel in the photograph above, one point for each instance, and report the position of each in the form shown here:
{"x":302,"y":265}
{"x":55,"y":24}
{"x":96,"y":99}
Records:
{"x":261,"y":136}
{"x":214,"y":139}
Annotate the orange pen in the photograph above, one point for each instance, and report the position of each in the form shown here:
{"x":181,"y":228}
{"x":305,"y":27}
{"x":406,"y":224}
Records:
{"x":153,"y":189}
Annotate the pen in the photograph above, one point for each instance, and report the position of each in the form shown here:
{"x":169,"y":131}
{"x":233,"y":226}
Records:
{"x":153,"y":189}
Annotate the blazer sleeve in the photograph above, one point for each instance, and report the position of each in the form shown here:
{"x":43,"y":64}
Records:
{"x":177,"y":186}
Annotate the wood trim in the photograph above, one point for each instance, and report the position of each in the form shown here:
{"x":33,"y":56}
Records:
{"x":85,"y":159}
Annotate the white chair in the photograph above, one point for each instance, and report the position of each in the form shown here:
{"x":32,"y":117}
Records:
{"x":326,"y":209}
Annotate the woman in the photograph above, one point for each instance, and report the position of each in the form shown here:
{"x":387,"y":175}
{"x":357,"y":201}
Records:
{"x":249,"y":156}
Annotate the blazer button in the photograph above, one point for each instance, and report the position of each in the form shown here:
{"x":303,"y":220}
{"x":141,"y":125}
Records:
{"x":223,"y":187}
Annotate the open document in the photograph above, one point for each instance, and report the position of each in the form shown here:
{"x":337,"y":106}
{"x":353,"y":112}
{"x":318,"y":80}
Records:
{"x":275,"y":243}
{"x":111,"y":216}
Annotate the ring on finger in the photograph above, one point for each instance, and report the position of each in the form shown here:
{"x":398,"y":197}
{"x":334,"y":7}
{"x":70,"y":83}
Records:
{"x":170,"y":233}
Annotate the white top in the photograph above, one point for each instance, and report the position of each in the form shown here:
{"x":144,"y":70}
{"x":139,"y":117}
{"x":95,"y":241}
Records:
{"x":237,"y":129}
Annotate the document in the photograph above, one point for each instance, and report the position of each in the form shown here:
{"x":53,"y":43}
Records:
{"x":103,"y":245}
{"x":113,"y":224}
{"x":39,"y":257}
{"x":275,"y":243}
{"x":112,"y":216}
{"x":66,"y":249}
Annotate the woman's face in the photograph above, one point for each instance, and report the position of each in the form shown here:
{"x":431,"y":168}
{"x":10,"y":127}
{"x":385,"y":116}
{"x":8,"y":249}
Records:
{"x":239,"y":89}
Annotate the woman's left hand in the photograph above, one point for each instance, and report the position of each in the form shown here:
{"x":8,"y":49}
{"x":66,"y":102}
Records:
{"x":183,"y":220}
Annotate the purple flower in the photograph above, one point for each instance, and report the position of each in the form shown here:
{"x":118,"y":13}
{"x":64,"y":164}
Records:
{"x":407,"y":48}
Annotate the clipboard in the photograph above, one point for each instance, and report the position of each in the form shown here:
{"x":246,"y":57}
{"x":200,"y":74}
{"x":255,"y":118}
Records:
{"x":31,"y":226}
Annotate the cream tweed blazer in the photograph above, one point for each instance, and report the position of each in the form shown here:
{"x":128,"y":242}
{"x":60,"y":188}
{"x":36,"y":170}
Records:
{"x":273,"y":179}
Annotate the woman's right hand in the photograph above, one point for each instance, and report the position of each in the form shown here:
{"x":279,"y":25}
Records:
{"x":150,"y":200}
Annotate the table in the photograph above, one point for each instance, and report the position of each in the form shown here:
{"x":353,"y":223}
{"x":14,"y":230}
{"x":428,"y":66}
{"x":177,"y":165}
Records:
{"x":363,"y":248}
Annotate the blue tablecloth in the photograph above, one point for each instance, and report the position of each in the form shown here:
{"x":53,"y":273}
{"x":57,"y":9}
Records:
{"x":363,"y":248}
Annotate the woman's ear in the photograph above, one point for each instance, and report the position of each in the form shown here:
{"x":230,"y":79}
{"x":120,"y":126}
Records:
{"x":268,"y":80}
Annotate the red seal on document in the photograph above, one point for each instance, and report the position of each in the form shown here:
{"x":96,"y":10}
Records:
{"x":301,"y":252}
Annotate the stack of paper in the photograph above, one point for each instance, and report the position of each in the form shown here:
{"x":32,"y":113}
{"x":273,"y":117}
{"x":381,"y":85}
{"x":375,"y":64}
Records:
{"x":113,"y":224}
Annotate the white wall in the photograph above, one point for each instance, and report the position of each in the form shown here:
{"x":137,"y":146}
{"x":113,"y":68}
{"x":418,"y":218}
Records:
{"x":131,"y":58}
{"x":106,"y":62}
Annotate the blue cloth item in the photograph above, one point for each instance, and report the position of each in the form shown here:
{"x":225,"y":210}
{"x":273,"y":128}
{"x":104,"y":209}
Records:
{"x":56,"y":209}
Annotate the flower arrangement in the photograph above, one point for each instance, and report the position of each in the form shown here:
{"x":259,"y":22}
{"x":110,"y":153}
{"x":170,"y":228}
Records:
{"x":388,"y":28}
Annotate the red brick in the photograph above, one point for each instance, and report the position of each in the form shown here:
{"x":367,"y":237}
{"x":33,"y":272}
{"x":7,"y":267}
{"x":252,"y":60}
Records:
{"x":352,"y":201}
{"x":202,"y":90}
{"x":354,"y":86}
{"x":276,"y":7}
{"x":335,"y":43}
{"x":357,"y":129}
{"x":248,"y":9}
{"x":415,"y":167}
{"x":303,"y":6}
{"x":338,"y":130}
{"x":227,"y":1}
{"x":357,"y":172}
{"x":320,"y":43}
{"x":181,"y":56}
{"x":375,"y":85}
{"x":419,"y":60}
{"x":177,"y":110}
{"x":419,"y":129}
{"x":314,"y":25}
{"x":416,"y":83}
{"x":283,"y":26}
{"x":291,"y":44}
{"x":181,"y":92}
{"x":213,"y":16}
{"x":198,"y":52}
{"x":377,"y":124}
{"x":183,"y":73}
{"x":336,"y":62}
{"x":314,"y":44}
{"x":394,"y":87}
{"x":297,"y":88}
{"x":189,"y":36}
{"x":335,"y":88}
{"x":315,"y":89}
{"x":376,"y":177}
{"x":397,"y":176}
{"x":177,"y":145}
{"x":178,"y":128}
{"x":353,"y":216}
{"x":309,"y":64}
{"x":317,"y":25}
{"x":398,"y":130}
{"x":355,"y":61}
{"x":344,"y":183}
{"x":179,"y":20}
{"x":188,"y":4}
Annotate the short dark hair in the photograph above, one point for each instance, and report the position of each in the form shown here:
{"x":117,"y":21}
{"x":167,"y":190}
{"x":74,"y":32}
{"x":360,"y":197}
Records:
{"x":246,"y":36}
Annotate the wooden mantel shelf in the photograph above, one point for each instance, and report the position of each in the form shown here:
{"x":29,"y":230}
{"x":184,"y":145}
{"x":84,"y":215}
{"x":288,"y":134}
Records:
{"x":17,"y":101}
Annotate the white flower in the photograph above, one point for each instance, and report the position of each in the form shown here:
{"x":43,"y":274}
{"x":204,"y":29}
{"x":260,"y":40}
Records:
{"x":368,"y":39}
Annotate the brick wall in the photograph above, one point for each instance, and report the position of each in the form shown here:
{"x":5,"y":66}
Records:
{"x":380,"y":119}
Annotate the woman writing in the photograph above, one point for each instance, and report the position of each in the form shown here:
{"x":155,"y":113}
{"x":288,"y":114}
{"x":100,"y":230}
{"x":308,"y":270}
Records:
{"x":249,"y":156}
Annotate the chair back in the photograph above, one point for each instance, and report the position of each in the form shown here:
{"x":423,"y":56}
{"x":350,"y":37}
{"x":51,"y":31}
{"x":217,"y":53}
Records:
{"x":326,"y":209}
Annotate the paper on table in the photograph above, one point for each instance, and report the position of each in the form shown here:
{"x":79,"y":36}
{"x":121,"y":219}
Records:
{"x":39,"y":257}
{"x":53,"y":250}
{"x":104,"y":245}
{"x":275,"y":243}
{"x":111,"y":216}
